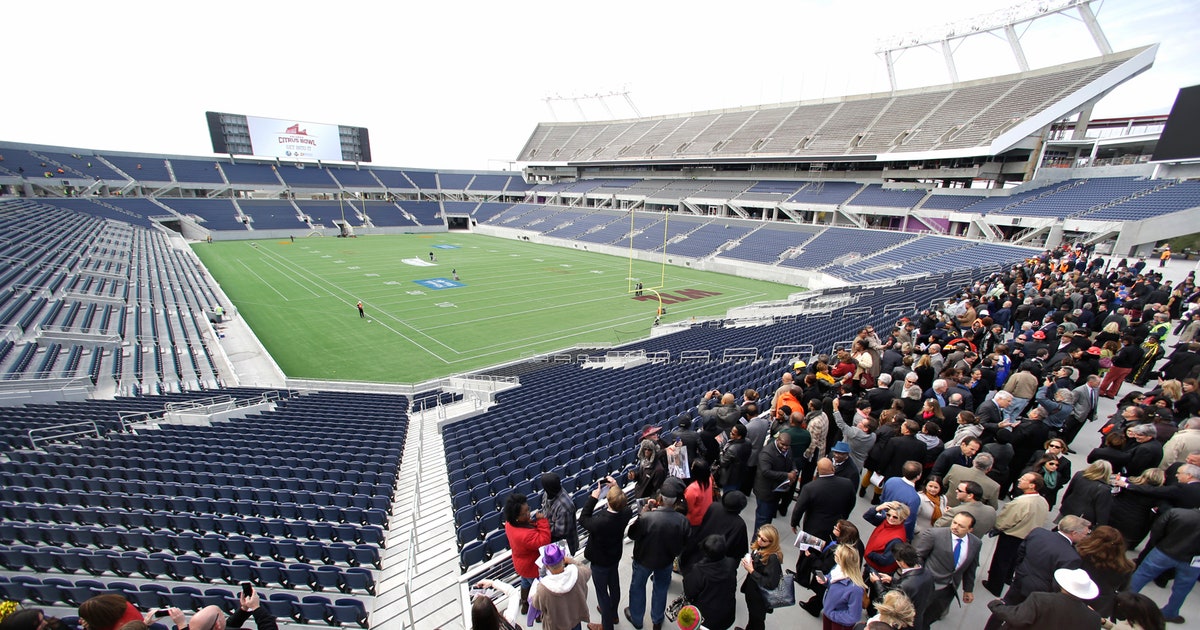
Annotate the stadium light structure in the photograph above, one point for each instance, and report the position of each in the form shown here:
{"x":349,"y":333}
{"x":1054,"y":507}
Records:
{"x":1004,"y":20}
{"x":600,"y":98}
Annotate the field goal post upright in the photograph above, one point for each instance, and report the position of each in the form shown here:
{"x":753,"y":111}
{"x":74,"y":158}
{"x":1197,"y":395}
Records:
{"x":631,"y":280}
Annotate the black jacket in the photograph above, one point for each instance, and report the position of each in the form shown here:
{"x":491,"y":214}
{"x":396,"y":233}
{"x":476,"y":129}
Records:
{"x":1089,"y":499}
{"x":607,"y":532}
{"x":900,"y":449}
{"x":918,"y":585}
{"x":822,"y":502}
{"x":262,"y":618}
{"x":658,"y":536}
{"x":712,"y":587}
{"x":1174,"y":533}
{"x":1041,"y":554}
{"x":949,"y":457}
{"x":773,"y":469}
{"x":718,"y":521}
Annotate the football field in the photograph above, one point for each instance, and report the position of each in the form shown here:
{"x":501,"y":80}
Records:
{"x":513,"y":299}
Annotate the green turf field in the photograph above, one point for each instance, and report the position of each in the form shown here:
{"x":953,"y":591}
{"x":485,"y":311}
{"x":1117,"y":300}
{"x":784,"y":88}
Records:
{"x":516,"y":299}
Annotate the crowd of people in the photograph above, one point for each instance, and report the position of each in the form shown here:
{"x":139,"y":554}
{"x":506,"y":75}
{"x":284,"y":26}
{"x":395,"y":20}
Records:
{"x":958,"y":423}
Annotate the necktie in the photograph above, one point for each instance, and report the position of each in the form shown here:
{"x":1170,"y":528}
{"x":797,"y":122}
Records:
{"x":957,"y":551}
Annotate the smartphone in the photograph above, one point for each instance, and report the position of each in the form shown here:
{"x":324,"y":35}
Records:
{"x":481,"y":592}
{"x":818,"y":577}
{"x":161,"y":612}
{"x":247,"y":589}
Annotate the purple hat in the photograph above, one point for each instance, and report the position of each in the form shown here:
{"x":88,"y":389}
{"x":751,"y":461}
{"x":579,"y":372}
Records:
{"x":551,"y":555}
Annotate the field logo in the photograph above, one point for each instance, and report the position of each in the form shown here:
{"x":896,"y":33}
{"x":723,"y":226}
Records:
{"x":437,"y":284}
{"x":682,"y":295}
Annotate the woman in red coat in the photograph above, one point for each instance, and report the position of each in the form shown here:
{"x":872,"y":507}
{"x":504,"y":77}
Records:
{"x":526,"y":535}
{"x":889,"y":531}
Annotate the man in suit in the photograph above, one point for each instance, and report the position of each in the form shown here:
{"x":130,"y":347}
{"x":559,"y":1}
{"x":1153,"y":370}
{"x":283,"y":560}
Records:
{"x":823,"y":501}
{"x":950,"y":413}
{"x":977,"y":472}
{"x":775,"y":467}
{"x":1146,"y":452}
{"x":951,"y":556}
{"x":1084,"y":409}
{"x":970,"y":496}
{"x":842,"y":466}
{"x":1064,"y":609}
{"x":902,"y":448}
{"x":1043,"y":553}
{"x":991,"y":413}
{"x":881,"y":396}
{"x":961,"y":455}
{"x":912,"y":579}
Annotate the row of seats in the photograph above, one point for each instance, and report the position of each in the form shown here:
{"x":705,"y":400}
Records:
{"x":133,"y":516}
{"x":54,"y":591}
{"x":177,"y":531}
{"x":228,"y":541}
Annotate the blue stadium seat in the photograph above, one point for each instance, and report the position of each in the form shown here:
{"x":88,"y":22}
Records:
{"x":312,"y":609}
{"x":358,"y":579}
{"x":281,"y":605}
{"x":181,"y":597}
{"x":472,"y":553}
{"x":347,"y":611}
{"x":494,"y":543}
{"x":325,"y":577}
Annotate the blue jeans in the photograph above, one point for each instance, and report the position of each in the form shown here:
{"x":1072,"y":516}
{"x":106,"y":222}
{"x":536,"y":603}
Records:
{"x":608,"y":593}
{"x":1156,"y":563}
{"x":637,"y":593}
{"x":764,"y":512}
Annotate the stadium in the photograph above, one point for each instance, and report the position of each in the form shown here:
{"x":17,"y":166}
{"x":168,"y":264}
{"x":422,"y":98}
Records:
{"x":192,"y":401}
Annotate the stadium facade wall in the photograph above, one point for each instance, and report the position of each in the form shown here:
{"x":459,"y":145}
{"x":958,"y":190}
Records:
{"x":799,"y":277}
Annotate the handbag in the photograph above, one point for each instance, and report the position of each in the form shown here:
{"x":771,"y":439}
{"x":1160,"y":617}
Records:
{"x":675,"y":606}
{"x":784,"y":593}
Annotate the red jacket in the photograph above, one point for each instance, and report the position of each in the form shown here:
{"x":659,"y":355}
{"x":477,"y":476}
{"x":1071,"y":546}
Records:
{"x":525,"y":543}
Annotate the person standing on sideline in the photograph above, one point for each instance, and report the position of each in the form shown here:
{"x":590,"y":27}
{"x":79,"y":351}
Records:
{"x":607,"y":529}
{"x":361,"y":314}
{"x":454,"y":274}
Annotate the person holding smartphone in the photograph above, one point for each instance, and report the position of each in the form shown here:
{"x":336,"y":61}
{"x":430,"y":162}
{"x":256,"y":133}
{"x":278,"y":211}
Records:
{"x":607,"y":534}
{"x":213,"y":618}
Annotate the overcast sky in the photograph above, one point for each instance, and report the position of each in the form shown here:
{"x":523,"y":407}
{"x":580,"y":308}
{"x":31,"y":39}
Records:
{"x":462,"y":84}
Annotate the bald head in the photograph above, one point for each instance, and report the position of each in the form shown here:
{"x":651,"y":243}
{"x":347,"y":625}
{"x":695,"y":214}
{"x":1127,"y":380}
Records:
{"x":207,"y":618}
{"x":728,"y":399}
{"x":787,"y":378}
{"x":824,"y":466}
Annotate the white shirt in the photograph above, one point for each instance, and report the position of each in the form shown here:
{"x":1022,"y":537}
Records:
{"x":962,"y":552}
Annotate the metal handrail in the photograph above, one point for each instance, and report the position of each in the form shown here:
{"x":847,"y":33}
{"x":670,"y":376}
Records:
{"x":33,"y":441}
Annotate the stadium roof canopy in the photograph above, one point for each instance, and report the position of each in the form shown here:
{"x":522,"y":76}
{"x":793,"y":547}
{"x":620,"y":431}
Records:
{"x":981,"y":117}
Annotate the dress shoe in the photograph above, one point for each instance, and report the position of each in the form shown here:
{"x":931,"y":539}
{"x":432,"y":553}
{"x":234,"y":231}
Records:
{"x":812,"y":607}
{"x":629,"y":618}
{"x":658,"y":626}
{"x":994,"y":589}
{"x":1175,"y":619}
{"x":862,"y":491}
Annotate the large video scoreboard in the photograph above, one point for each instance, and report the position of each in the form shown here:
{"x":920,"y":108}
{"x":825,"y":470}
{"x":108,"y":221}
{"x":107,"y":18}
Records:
{"x":238,"y":134}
